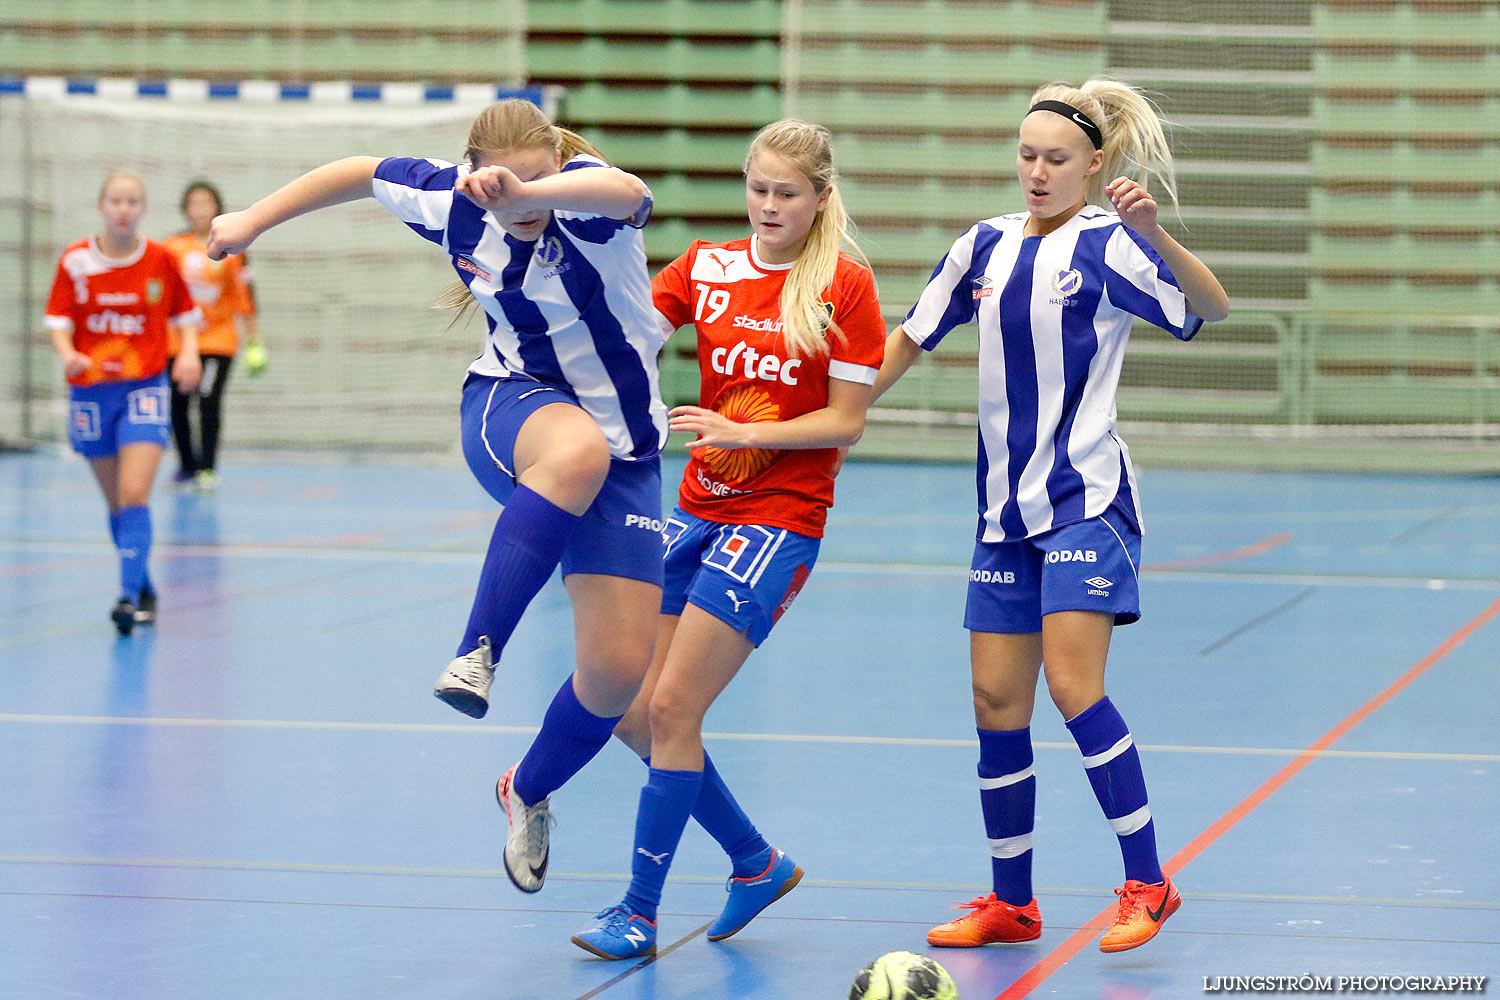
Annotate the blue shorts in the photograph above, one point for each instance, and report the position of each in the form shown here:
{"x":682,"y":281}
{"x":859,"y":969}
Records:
{"x":104,"y":418}
{"x":745,"y":575}
{"x":620,"y":533}
{"x":1088,"y":566}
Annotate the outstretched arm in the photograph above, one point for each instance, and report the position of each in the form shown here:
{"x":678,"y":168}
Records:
{"x":331,"y":184}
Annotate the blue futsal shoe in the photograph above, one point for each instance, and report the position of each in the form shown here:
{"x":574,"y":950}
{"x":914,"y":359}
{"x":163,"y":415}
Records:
{"x":748,"y":896}
{"x":619,"y":933}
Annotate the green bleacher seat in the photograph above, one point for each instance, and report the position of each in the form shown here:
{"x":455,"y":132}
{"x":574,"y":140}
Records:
{"x":1406,"y":23}
{"x":742,"y":18}
{"x":597,"y":58}
{"x":673,"y":104}
{"x":956,"y":21}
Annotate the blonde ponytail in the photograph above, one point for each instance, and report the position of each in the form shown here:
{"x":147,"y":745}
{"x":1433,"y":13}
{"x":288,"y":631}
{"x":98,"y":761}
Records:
{"x":514,"y":123}
{"x":805,"y":320}
{"x":1134,"y":141}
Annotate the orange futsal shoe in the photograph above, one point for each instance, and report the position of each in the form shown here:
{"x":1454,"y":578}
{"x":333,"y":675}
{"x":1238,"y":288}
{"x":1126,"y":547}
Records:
{"x":1143,"y":909}
{"x":990,"y":920}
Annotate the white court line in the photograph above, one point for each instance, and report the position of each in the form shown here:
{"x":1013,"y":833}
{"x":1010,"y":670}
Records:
{"x":908,"y":741}
{"x":824,"y":566}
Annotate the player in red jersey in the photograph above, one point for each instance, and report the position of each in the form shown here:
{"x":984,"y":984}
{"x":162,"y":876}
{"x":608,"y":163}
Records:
{"x":790,"y":339}
{"x":112,"y":301}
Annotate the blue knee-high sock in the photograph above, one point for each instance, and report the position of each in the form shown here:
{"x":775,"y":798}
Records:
{"x":114,"y":536}
{"x":1007,"y":794}
{"x":1114,"y":769}
{"x":721,"y":816}
{"x":570,"y":737}
{"x":722,"y":819}
{"x":666,"y":801}
{"x":133,"y":542}
{"x":527,"y":543}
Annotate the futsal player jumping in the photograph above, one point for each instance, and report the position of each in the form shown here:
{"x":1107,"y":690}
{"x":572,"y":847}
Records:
{"x":562,"y":421}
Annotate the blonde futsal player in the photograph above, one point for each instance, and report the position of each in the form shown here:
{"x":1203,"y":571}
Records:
{"x":790,"y":339}
{"x":1055,"y":289}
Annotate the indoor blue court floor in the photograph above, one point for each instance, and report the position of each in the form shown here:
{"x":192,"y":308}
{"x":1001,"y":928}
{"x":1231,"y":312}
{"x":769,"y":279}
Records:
{"x":260,"y":798}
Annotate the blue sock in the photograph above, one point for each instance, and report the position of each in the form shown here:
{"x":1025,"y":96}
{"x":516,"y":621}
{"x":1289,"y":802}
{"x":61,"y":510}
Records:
{"x":1007,"y":794}
{"x":721,"y":816}
{"x":133,"y":541}
{"x":666,"y":802}
{"x":570,"y":737}
{"x":527,"y":543}
{"x":1114,"y":769}
{"x":114,"y":536}
{"x":722,"y":819}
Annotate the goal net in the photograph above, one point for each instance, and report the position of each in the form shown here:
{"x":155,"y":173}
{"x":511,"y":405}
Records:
{"x":359,"y":361}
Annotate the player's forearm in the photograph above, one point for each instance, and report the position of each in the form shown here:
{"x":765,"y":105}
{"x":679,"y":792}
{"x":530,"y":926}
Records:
{"x":187,"y":340}
{"x":331,"y":184}
{"x":1205,"y":296}
{"x":613,"y":194}
{"x":62,"y":342}
{"x":901,"y":352}
{"x":838,"y":425}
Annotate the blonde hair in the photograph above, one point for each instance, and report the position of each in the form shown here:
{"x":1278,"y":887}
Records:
{"x":804,"y":319}
{"x":1132,"y":129}
{"x":120,"y":175}
{"x":512,"y":124}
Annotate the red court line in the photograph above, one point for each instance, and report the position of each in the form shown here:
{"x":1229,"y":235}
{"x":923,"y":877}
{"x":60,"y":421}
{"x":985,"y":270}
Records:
{"x":1218,"y":558}
{"x":1064,"y":952}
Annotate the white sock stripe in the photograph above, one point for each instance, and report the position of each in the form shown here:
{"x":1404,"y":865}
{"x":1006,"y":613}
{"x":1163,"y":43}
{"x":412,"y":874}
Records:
{"x":1125,"y":825}
{"x":1100,"y":759}
{"x":988,"y":784}
{"x":1010,"y":847}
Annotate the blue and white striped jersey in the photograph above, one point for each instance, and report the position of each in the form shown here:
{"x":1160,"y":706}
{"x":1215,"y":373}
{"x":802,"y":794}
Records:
{"x":1054,"y":314}
{"x":572,"y":309}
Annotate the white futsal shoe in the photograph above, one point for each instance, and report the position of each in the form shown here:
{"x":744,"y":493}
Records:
{"x":527,"y":843}
{"x":465,"y":683}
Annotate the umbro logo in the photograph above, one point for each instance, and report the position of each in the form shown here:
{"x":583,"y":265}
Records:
{"x":984,"y":286}
{"x":1098,"y":581}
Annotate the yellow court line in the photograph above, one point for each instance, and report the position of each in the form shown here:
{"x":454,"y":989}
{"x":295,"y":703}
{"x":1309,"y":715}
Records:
{"x":497,"y":873}
{"x":825,"y":738}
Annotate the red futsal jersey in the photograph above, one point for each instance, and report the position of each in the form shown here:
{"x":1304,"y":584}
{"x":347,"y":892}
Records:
{"x":117,"y":309}
{"x":733,"y":300}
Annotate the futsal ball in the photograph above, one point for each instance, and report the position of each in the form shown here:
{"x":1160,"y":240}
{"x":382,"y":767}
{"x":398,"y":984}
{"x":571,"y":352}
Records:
{"x":903,"y":976}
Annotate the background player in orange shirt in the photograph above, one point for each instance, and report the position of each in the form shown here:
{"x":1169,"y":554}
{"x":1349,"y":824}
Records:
{"x":112,"y":300}
{"x":790,"y":339}
{"x":221,"y":289}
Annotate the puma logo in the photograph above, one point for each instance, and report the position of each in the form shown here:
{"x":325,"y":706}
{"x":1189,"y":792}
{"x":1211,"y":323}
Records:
{"x":737,"y":602}
{"x":723,"y":265}
{"x":658,"y":858}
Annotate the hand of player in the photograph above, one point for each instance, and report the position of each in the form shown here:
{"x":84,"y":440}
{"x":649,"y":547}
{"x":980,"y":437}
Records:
{"x":714,"y":430}
{"x":1136,"y":207}
{"x":230,"y":233}
{"x":76,"y":363}
{"x":493,"y":188}
{"x":187,"y":371}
